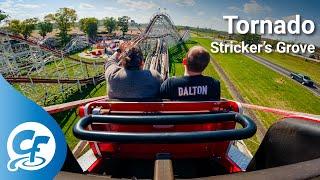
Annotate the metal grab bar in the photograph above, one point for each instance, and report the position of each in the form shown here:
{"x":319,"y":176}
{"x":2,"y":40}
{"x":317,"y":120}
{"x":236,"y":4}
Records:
{"x":248,"y":130}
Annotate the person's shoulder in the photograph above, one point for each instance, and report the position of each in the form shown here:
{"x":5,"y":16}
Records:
{"x":152,"y":74}
{"x":175,"y":79}
{"x":170,"y":83}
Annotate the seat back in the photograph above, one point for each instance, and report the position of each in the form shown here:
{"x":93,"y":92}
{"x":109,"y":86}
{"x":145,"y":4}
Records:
{"x":150,"y":150}
{"x":288,"y":141}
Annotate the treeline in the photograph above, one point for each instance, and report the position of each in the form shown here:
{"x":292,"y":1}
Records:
{"x":64,"y":20}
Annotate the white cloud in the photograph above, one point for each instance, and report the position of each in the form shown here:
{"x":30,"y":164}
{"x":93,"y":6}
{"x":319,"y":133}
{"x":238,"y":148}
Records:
{"x":114,"y":11}
{"x":234,"y":8}
{"x":292,"y":17}
{"x":200,"y":13}
{"x":210,"y":22}
{"x":219,"y":23}
{"x":18,"y":9}
{"x":270,"y":18}
{"x":142,"y":5}
{"x":288,"y":18}
{"x":86,"y":6}
{"x":71,"y":7}
{"x":28,"y":6}
{"x":253,"y":7}
{"x":8,"y":6}
{"x":109,"y":8}
{"x":183,"y":2}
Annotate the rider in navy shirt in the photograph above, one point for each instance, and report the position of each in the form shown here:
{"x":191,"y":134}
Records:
{"x":193,"y":86}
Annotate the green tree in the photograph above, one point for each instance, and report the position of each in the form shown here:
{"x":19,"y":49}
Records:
{"x":110,"y":23}
{"x":89,"y":26}
{"x":3,"y":16}
{"x":272,"y":42}
{"x":24,"y":27}
{"x":27,"y":26}
{"x":45,"y":27}
{"x":65,"y":19}
{"x":14,"y":26}
{"x":250,"y":38}
{"x":123,"y":23}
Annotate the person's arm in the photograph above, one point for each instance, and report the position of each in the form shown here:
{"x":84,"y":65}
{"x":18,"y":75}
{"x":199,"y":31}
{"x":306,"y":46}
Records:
{"x":111,"y":67}
{"x":111,"y":61}
{"x":159,"y":78}
{"x":165,"y":90}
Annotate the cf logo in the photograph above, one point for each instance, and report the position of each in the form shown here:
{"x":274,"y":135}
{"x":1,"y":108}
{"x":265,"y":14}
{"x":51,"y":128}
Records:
{"x":31,"y":146}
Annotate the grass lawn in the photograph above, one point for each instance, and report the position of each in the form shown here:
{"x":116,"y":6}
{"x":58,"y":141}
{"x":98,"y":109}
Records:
{"x":66,"y":70}
{"x":55,"y":95}
{"x":70,"y":69}
{"x":68,"y":119}
{"x":77,"y":56}
{"x":194,"y":33}
{"x":295,"y":64}
{"x":262,"y":86}
{"x":50,"y":94}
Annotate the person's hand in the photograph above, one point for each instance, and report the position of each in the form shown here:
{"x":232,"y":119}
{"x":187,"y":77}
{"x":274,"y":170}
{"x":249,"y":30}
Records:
{"x":123,"y":46}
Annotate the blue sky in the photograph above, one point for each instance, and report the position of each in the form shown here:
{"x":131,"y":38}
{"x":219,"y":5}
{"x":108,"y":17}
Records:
{"x":203,"y":13}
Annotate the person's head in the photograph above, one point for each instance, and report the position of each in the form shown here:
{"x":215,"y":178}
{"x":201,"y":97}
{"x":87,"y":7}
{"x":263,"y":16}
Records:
{"x":133,"y":58}
{"x":197,"y":60}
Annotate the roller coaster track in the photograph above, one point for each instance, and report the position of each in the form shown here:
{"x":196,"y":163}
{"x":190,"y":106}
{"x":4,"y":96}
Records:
{"x":44,"y":74}
{"x":159,"y":60}
{"x":45,"y":48}
{"x":147,"y":33}
{"x":160,"y":36}
{"x":186,"y":35}
{"x":42,"y":68}
{"x":168,"y":19}
{"x":91,"y":80}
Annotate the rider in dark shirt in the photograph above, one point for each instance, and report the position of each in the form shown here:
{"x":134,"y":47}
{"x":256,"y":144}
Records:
{"x":193,"y":86}
{"x":129,"y":80}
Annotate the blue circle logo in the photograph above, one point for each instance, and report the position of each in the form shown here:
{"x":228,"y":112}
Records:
{"x":31,"y":146}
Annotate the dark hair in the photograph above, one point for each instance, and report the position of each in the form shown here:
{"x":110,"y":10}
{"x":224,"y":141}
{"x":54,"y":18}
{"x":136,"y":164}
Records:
{"x":133,"y":57}
{"x":197,"y":59}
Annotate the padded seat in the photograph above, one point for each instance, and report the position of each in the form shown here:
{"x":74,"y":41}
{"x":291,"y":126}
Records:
{"x":288,"y":141}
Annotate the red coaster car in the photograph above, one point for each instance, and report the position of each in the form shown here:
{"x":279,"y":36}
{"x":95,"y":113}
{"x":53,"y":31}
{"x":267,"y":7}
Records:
{"x":167,"y":140}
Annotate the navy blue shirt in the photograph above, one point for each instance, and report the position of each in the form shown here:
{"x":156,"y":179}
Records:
{"x":191,"y":88}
